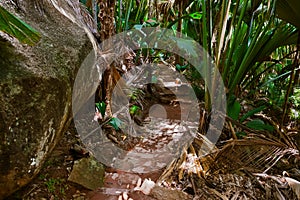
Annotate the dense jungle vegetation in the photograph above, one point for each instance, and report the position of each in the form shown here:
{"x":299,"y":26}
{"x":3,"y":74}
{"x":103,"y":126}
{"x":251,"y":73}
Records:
{"x":255,"y":45}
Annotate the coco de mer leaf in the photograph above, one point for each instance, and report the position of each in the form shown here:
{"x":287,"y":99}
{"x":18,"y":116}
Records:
{"x":17,"y":28}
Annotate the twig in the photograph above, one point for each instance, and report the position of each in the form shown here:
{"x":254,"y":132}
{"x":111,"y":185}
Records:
{"x":232,"y":131}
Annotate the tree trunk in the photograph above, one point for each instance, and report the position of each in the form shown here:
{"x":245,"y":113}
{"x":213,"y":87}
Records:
{"x":107,"y":30}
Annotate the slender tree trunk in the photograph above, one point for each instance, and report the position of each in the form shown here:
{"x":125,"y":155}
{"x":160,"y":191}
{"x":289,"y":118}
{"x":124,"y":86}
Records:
{"x":291,"y":83}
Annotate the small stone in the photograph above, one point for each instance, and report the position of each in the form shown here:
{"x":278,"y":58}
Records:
{"x":88,"y":172}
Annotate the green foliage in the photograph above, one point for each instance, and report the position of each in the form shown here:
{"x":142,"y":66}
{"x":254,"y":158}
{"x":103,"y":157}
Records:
{"x":196,"y":15}
{"x":252,"y":112}
{"x":234,"y":110}
{"x":131,"y":14}
{"x":15,"y":27}
{"x":134,"y":109}
{"x":115,"y":123}
{"x":251,"y":47}
{"x":245,"y":33}
{"x":258,"y":124}
{"x":262,"y":42}
{"x":55,"y":186}
{"x":181,"y":68}
{"x":135,"y":94}
{"x":295,"y":98}
{"x":51,"y":184}
{"x":101,"y":106}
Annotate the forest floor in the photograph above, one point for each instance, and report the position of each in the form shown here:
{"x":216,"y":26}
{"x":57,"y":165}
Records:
{"x":185,"y":178}
{"x":52,"y":182}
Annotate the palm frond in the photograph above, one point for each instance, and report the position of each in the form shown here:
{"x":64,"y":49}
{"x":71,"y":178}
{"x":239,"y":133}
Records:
{"x":253,"y":154}
{"x":17,"y":28}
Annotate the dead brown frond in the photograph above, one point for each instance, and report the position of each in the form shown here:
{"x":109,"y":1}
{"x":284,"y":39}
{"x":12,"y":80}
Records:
{"x":253,"y":154}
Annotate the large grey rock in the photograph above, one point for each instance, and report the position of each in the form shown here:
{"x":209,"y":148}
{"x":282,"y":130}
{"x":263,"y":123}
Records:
{"x":36,"y":90}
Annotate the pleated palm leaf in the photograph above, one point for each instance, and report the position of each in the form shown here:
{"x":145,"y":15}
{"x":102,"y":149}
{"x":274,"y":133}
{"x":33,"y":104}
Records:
{"x":243,"y":41}
{"x":256,"y":154}
{"x":238,"y":35}
{"x":17,"y":28}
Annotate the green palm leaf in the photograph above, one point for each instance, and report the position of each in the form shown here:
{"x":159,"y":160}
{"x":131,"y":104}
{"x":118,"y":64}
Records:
{"x":17,"y":28}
